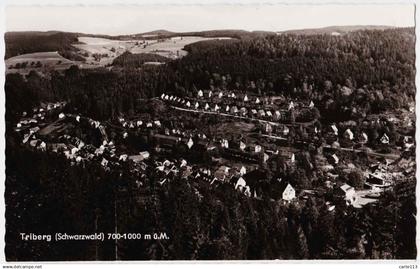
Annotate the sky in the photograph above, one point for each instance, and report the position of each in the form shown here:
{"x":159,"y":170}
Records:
{"x":131,"y":19}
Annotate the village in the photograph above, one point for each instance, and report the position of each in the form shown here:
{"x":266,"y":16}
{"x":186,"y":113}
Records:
{"x":265,"y":147}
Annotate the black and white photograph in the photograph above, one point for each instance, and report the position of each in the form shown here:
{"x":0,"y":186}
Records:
{"x":213,"y":132}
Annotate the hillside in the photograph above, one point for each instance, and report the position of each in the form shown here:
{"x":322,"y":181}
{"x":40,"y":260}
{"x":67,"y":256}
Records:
{"x":335,"y":29}
{"x":18,"y":43}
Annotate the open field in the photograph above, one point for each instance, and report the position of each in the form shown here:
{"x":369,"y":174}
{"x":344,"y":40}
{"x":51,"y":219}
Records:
{"x":171,"y":47}
{"x":99,"y":51}
{"x":37,"y":60}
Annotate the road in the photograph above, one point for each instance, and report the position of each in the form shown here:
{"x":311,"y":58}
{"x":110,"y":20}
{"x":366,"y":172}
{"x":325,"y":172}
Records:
{"x":387,"y":156}
{"x":244,"y":118}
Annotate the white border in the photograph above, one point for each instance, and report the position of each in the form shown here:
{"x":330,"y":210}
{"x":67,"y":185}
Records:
{"x":344,"y":264}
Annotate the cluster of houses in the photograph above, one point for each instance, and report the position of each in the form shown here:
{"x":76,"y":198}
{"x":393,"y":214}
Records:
{"x":78,"y":152}
{"x":231,"y":105}
{"x":55,"y":137}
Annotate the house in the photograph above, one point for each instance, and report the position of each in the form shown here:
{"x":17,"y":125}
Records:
{"x":241,"y":183}
{"x":104,"y":162}
{"x":268,"y":128}
{"x":384,"y":139}
{"x":311,"y":104}
{"x":363,"y":139}
{"x":288,"y":193}
{"x":334,"y":159}
{"x":347,"y":192}
{"x":278,"y":114}
{"x":225,"y":143}
{"x":200,"y":93}
{"x":285,"y":130}
{"x":293,"y":158}
{"x":291,"y":105}
{"x":246,"y":98}
{"x":348,"y":134}
{"x":408,"y":142}
{"x":56,"y":147}
{"x":242,"y":171}
{"x":257,"y":148}
{"x":190,"y":143}
{"x":220,"y":94}
{"x":42,"y":146}
{"x":257,"y":101}
{"x":242,"y":145}
{"x":375,"y":178}
{"x":265,"y":157}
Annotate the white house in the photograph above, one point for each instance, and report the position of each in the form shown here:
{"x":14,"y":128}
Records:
{"x":265,"y":157}
{"x":242,"y":171}
{"x":335,"y":158}
{"x":293,"y":158}
{"x":242,"y":145}
{"x":348,"y":191}
{"x":104,"y":162}
{"x":291,"y":105}
{"x":241,"y":183}
{"x":190,"y":143}
{"x":364,"y":138}
{"x":286,"y":130}
{"x":311,"y":104}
